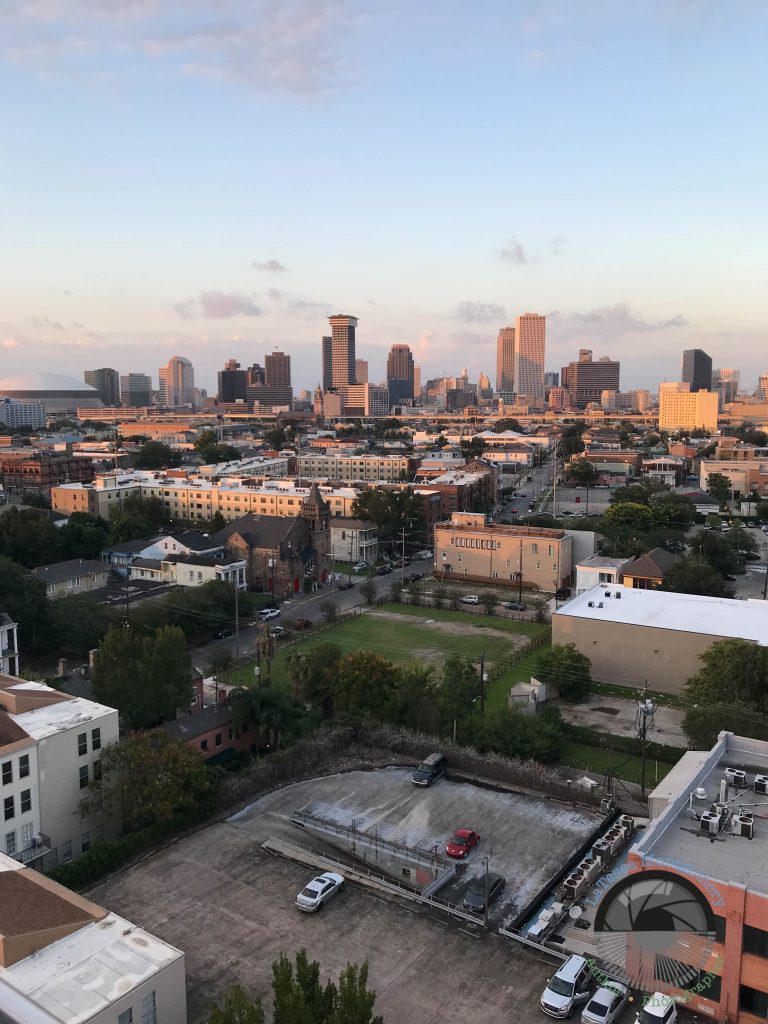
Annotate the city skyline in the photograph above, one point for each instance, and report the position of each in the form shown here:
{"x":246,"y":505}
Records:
{"x":154,"y":243}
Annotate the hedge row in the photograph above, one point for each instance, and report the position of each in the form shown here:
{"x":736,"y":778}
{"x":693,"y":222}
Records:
{"x":627,"y":744}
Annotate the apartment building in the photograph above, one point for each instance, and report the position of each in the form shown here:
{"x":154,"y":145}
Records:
{"x":50,"y":750}
{"x":744,"y":475}
{"x":76,"y":576}
{"x":537,"y":558}
{"x":190,"y":499}
{"x":39,"y":471}
{"x":683,"y":409}
{"x":63,"y":959}
{"x":9,"y":645}
{"x":354,"y":540}
{"x":353,"y":468}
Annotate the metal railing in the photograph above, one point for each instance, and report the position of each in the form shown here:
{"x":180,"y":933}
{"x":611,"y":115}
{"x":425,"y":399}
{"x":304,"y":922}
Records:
{"x":40,"y":846}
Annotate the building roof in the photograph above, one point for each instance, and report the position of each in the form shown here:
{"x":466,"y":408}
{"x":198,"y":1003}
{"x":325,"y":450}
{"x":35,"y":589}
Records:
{"x":26,"y":906}
{"x":68,"y":713}
{"x":349,"y":523}
{"x":203,"y":560}
{"x":60,"y":572}
{"x":10,"y":732}
{"x":654,"y":564}
{"x":195,"y":540}
{"x":6,"y":620}
{"x":259,"y":531}
{"x":132,"y":547}
{"x":196,"y":723}
{"x":602,"y":562}
{"x":44,"y":383}
{"x":686,"y":613}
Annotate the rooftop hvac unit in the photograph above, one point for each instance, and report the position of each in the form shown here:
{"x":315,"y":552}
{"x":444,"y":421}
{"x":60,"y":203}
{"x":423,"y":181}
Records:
{"x":618,"y":595}
{"x":601,"y":850}
{"x":607,"y":593}
{"x":736,"y":777}
{"x":743,"y":825}
{"x":590,"y":868}
{"x":599,"y":604}
{"x":627,"y":822}
{"x":614,"y":838}
{"x":574,"y":886}
{"x":760,"y":785}
{"x":709,"y":823}
{"x":590,"y":604}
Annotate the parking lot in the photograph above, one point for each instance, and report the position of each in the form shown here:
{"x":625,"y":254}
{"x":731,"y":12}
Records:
{"x":229,"y":905}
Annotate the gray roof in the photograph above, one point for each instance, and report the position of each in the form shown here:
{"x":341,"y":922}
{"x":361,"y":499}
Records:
{"x":653,"y":564}
{"x":259,"y":531}
{"x":196,"y":723}
{"x":60,"y":572}
{"x":132,"y":547}
{"x":195,"y":540}
{"x":201,"y":559}
{"x":6,"y":620}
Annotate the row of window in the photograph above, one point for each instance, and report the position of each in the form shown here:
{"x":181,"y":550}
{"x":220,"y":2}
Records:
{"x":82,"y":741}
{"x":6,"y":770}
{"x":217,"y":739}
{"x":9,"y":804}
{"x":26,"y":840}
{"x":85,"y":776}
{"x":148,"y":1012}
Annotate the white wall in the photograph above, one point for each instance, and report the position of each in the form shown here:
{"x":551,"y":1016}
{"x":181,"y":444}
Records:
{"x":30,"y":818}
{"x":169,"y":986}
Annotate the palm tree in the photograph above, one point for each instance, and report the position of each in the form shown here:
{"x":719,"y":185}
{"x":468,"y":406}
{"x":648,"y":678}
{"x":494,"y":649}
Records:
{"x":272,"y":712}
{"x":297,"y":664}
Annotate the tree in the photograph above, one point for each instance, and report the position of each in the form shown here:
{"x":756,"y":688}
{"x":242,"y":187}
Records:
{"x":238,"y":1008}
{"x":125,"y":526}
{"x":146,"y":678}
{"x":330,"y":610}
{"x":298,"y":666}
{"x":24,"y":598}
{"x":730,"y":691}
{"x":695,"y":576}
{"x":218,"y":522}
{"x":500,"y":426}
{"x":150,"y":776}
{"x":458,"y":690}
{"x":673,"y":511}
{"x":391,"y":511}
{"x":628,"y":514}
{"x":439,"y":595}
{"x":83,"y":536}
{"x":354,"y":1001}
{"x":275,"y":438}
{"x":78,"y":623}
{"x":271,"y":712}
{"x":415,"y":701}
{"x":368,"y":590}
{"x":510,"y":732}
{"x":321,"y":671}
{"x":208,"y":448}
{"x":567,"y":668}
{"x":719,"y":487}
{"x":365,"y":684}
{"x":29,"y":537}
{"x":156,"y":455}
{"x":718,"y":550}
{"x":489,"y":600}
{"x":150,"y":508}
{"x":582,"y":473}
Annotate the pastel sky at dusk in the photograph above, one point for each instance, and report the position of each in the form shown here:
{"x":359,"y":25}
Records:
{"x":213,"y":178}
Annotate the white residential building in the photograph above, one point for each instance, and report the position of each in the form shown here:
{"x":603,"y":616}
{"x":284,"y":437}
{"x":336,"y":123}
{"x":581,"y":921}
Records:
{"x":354,"y":540}
{"x":9,"y":646}
{"x":65,"y":960}
{"x":190,"y":570}
{"x":67,"y":735}
{"x":591,"y":572}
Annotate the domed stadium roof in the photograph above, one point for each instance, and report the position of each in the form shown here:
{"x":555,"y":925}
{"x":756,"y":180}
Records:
{"x":52,"y":383}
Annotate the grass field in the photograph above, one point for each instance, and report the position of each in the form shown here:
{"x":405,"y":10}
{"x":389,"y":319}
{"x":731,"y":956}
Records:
{"x":402,"y":633}
{"x":596,"y":759}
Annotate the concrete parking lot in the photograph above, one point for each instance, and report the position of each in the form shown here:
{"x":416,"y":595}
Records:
{"x":229,"y":905}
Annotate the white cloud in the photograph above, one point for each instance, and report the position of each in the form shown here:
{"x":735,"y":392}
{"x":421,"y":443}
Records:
{"x":479,"y":312}
{"x":271,"y":266}
{"x":513,"y":252}
{"x":617,"y":319}
{"x":218,"y":305}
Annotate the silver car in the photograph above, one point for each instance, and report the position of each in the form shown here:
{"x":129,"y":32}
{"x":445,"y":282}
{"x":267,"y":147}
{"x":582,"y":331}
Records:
{"x":607,"y":1004}
{"x":319,"y":891}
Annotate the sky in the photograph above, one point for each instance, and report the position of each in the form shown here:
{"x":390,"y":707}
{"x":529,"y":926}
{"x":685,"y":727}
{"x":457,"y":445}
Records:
{"x":213,"y":178}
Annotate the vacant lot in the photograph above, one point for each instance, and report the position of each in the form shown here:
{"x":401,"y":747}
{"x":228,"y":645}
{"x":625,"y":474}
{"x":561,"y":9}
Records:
{"x":229,"y":905}
{"x":402,"y":633}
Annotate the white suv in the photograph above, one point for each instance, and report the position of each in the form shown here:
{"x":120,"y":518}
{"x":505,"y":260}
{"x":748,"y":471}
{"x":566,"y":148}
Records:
{"x":569,"y":986}
{"x":659,"y":1008}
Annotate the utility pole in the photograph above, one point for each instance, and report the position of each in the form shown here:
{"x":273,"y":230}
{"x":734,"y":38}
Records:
{"x":482,"y":683}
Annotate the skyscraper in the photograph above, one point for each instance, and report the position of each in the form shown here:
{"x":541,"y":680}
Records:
{"x":327,"y":362}
{"x":361,"y":371}
{"x":233,"y":383}
{"x":400,"y":374}
{"x":136,"y":390}
{"x":343,"y":329}
{"x":177,"y":383}
{"x":762,"y":387}
{"x":585,"y":380}
{"x":697,"y":369}
{"x":551,"y":379}
{"x":726,"y":382}
{"x":277,"y":370}
{"x":530,"y":338}
{"x":107,"y":383}
{"x":505,"y":361}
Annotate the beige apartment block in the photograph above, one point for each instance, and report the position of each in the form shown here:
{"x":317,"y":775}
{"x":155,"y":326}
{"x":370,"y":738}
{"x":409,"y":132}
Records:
{"x":370,"y":468}
{"x":467,"y":548}
{"x":683,"y":409}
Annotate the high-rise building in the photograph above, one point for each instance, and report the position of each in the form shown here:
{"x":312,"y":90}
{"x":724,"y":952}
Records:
{"x":530,"y":340}
{"x":361,"y":371}
{"x":551,"y":379}
{"x":484,"y":389}
{"x":400,"y":374}
{"x":726,"y":383}
{"x":586,"y":380}
{"x":177,"y":383}
{"x":343,"y":328}
{"x":233,"y":383}
{"x":505,"y":361}
{"x":327,"y":362}
{"x":107,"y":383}
{"x":277,"y":370}
{"x":697,"y":369}
{"x":683,"y":409}
{"x":256,"y":376}
{"x":762,"y":387}
{"x":136,"y":390}
{"x":417,"y":383}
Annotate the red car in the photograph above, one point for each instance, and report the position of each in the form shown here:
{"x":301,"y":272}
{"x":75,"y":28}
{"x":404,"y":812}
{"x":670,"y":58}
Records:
{"x":463,"y":841}
{"x":303,"y":624}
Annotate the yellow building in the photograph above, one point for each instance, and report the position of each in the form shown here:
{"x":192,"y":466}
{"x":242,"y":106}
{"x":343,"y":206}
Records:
{"x":683,"y":409}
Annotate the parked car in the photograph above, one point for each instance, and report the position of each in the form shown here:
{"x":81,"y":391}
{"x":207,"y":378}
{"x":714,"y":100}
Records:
{"x":347,"y":585}
{"x":413,"y":576}
{"x":607,"y":1004}
{"x":659,"y":1008}
{"x":513,"y":606}
{"x":359,"y":567}
{"x":750,"y":556}
{"x":278,"y":632}
{"x":569,"y":986}
{"x":302,"y":624}
{"x":384,"y":570}
{"x":470,"y":599}
{"x":483,"y":890}
{"x":319,"y":891}
{"x":268,"y":613}
{"x":223,"y":634}
{"x":430,"y":769}
{"x":562,"y":592}
{"x":462,"y":843}
{"x":565,"y":512}
{"x":425,"y":554}
{"x":513,"y":510}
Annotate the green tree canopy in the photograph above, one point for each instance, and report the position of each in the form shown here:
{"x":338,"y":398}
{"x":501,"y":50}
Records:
{"x":628,"y":514}
{"x":695,"y":575}
{"x":507,"y":423}
{"x":510,"y":732}
{"x":581,"y":472}
{"x":719,"y":487}
{"x":156,"y":455}
{"x":24,"y":598}
{"x":82,"y":536}
{"x":567,"y":668}
{"x":238,"y":1008}
{"x":29,"y":537}
{"x":730,"y":691}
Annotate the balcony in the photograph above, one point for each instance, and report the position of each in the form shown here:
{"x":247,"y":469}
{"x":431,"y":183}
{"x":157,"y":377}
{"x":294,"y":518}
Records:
{"x":41,"y":844}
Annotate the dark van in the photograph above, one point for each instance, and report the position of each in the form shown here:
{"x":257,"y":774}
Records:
{"x":430,"y":769}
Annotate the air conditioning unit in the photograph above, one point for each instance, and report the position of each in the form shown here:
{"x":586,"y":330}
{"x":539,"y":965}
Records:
{"x":613,"y":838}
{"x":590,"y":604}
{"x":590,"y":868}
{"x":709,"y":823}
{"x":618,"y":595}
{"x":736,"y":777}
{"x":607,"y":593}
{"x":574,"y":886}
{"x":599,"y":604}
{"x":760,"y":785}
{"x":601,"y":850}
{"x":743,"y":825}
{"x":627,"y":822}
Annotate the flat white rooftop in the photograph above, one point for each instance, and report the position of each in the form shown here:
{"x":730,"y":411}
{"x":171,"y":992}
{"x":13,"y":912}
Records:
{"x":59,"y":717}
{"x":687,"y":613}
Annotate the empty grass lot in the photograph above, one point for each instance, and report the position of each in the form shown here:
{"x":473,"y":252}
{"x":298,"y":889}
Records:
{"x":628,"y":768}
{"x":402,"y":633}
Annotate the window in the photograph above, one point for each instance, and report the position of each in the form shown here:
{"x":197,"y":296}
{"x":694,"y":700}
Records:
{"x":83,"y":776}
{"x":96,"y":739}
{"x":753,"y":1001}
{"x":203,"y":744}
{"x":26,"y":836}
{"x":719,"y":929}
{"x":538,"y":565}
{"x":66,"y":851}
{"x":98,"y":834}
{"x":10,"y":843}
{"x":26,"y":801}
{"x":534,"y":549}
{"x":82,"y":743}
{"x":7,"y":772}
{"x":755,"y":941}
{"x":554,"y":567}
{"x":495,"y":575}
{"x":8,"y":808}
{"x":217,"y":739}
{"x":97,"y":771}
{"x":24,"y":766}
{"x":85,"y":842}
{"x":126,"y":1017}
{"x":149,"y":1009}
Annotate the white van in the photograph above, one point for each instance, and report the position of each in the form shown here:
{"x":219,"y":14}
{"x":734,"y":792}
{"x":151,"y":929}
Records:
{"x":569,"y":986}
